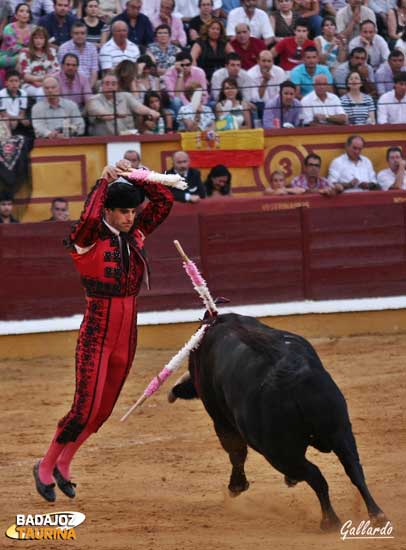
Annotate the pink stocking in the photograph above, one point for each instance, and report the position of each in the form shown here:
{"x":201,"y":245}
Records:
{"x":65,"y":458}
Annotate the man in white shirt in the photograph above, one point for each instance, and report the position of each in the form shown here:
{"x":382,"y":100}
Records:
{"x":352,"y":171}
{"x":321,"y":107}
{"x":118,"y":47}
{"x":392,"y":105}
{"x":394,"y":177}
{"x":266,"y":77}
{"x":257,"y":20}
{"x":350,"y":17}
{"x":232,"y":69}
{"x":187,"y":9}
{"x":375,"y":46}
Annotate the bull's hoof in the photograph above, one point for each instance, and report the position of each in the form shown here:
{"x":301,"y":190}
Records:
{"x":290,"y":482}
{"x":235,"y":490}
{"x":331,"y":523}
{"x":379,"y":519}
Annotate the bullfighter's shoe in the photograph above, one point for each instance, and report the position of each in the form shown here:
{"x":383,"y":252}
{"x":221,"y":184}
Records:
{"x":65,"y":485}
{"x":46,"y":491}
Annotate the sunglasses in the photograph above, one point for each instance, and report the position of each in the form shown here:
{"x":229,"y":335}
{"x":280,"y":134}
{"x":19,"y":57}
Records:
{"x":185,"y":64}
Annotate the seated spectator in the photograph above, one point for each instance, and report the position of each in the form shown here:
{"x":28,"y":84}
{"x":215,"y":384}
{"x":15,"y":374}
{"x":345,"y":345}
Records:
{"x":117,"y":48}
{"x":194,"y":119}
{"x":290,"y":49}
{"x":6,"y":208}
{"x":303,"y":74}
{"x":309,"y":10}
{"x":164,"y":123}
{"x":375,"y":46}
{"x":198,"y":21}
{"x":55,"y":114}
{"x":146,"y":77}
{"x":332,"y":47}
{"x":59,"y":210}
{"x":73,"y":84}
{"x":140,"y":29}
{"x":283,"y":19}
{"x":247,"y":47}
{"x":85,"y":52}
{"x":210,"y":51}
{"x":37,"y":61}
{"x":59,"y":22}
{"x":393,"y":178}
{"x":331,"y":7}
{"x":16,"y":36}
{"x":177,"y":78}
{"x":232,"y":69}
{"x":279,"y":186}
{"x":187,"y":9}
{"x":396,"y":21}
{"x":401,"y":44}
{"x":392,"y":105}
{"x":357,"y":62}
{"x":266,"y":78}
{"x":166,"y":17}
{"x":322,"y":107}
{"x":218,"y":182}
{"x":381,"y":9}
{"x":109,"y":9}
{"x":388,"y":70}
{"x":195,"y":189}
{"x":284,"y":110}
{"x":38,"y":8}
{"x":232,"y":104}
{"x":310,"y":180}
{"x":126,"y":73}
{"x":134,"y":157}
{"x":97,"y":30}
{"x":162,"y":51}
{"x":257,"y":20}
{"x":359,"y":107}
{"x":352,"y":171}
{"x":112,"y":112}
{"x":350,"y":17}
{"x":13,"y":103}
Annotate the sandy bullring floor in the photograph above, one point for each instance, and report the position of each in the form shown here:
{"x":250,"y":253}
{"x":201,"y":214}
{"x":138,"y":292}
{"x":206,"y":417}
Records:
{"x":159,"y":480}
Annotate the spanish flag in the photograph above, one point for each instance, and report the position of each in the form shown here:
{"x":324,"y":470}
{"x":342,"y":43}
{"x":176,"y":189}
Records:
{"x":234,"y":148}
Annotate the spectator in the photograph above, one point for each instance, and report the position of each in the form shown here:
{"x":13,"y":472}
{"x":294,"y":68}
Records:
{"x":72,"y":83}
{"x":352,"y":171}
{"x":397,"y":21}
{"x":290,"y":49}
{"x":6,"y":208}
{"x":331,"y":7}
{"x":166,"y":17}
{"x":135,"y":159}
{"x":332,"y":47}
{"x":393,"y":178}
{"x":16,"y":36}
{"x":195,"y":190}
{"x":401,"y":44}
{"x":359,"y":107}
{"x":97,"y":30}
{"x":112,"y":112}
{"x":118,"y":47}
{"x":109,"y":9}
{"x":279,"y":186}
{"x":309,"y":10}
{"x":381,"y":9}
{"x":283,"y":19}
{"x":322,"y":107}
{"x":266,"y":78}
{"x":375,"y":46}
{"x":350,"y":17}
{"x":126,"y":73}
{"x":310,"y":180}
{"x":246,"y":46}
{"x":37,"y":61}
{"x":140,"y":30}
{"x":59,"y":22}
{"x":210,"y":51}
{"x":151,"y":8}
{"x":218,"y":182}
{"x":388,"y":70}
{"x":232,"y":69}
{"x":177,"y":78}
{"x":162,"y":51}
{"x":195,"y":119}
{"x":303,"y":74}
{"x":231,"y":103}
{"x":284,"y":110}
{"x":196,"y":23}
{"x":357,"y":62}
{"x":56,"y":117}
{"x":392,"y":105}
{"x":154,"y":125}
{"x":13,"y":103}
{"x":38,"y":8}
{"x":257,"y":20}
{"x":85,"y":52}
{"x":146,"y":78}
{"x":59,"y":210}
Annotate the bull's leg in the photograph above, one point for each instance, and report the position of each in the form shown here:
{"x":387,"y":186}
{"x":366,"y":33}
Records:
{"x":346,"y":450}
{"x":236,"y":448}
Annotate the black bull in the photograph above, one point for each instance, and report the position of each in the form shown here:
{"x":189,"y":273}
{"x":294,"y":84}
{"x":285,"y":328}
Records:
{"x":268,"y":389}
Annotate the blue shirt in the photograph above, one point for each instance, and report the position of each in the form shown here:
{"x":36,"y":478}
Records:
{"x":61,"y":33}
{"x":143,"y":33}
{"x":302,"y":78}
{"x":275,"y":117}
{"x":229,"y":5}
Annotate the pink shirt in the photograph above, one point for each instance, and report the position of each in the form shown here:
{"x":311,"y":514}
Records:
{"x":196,"y":75}
{"x":177,"y":31}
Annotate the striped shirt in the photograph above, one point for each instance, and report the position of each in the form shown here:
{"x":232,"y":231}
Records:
{"x":358,"y":113}
{"x":111,"y":55}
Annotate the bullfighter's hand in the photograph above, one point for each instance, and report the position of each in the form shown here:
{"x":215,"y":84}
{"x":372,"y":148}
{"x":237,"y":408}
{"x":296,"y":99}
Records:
{"x":109,"y":173}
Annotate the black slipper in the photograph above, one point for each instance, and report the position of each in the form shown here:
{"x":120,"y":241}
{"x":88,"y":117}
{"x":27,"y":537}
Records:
{"x":46,"y":491}
{"x":65,"y":485}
